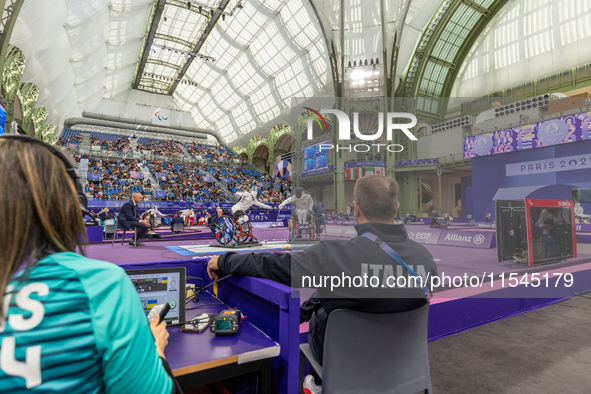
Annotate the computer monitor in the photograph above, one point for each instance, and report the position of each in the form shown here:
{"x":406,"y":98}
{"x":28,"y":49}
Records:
{"x":159,"y":285}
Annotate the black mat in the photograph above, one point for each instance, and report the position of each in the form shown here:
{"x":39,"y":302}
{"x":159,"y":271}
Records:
{"x":544,"y":351}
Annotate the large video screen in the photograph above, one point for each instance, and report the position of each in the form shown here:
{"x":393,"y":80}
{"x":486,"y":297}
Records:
{"x":315,"y":158}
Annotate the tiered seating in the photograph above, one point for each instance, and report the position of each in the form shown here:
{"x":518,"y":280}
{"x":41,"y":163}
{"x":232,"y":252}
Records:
{"x":110,"y":142}
{"x":210,"y":152}
{"x":159,"y":147}
{"x":245,"y":179}
{"x":116,"y":182}
{"x":70,"y":136}
{"x":184,"y":182}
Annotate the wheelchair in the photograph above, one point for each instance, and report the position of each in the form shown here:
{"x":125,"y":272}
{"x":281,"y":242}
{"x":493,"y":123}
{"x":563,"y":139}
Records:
{"x":295,"y":229}
{"x":227,"y":230}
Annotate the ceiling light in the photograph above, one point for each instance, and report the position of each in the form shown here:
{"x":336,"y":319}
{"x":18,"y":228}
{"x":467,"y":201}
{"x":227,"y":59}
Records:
{"x":200,"y":9}
{"x":223,"y":17}
{"x":188,"y":4}
{"x":165,"y":19}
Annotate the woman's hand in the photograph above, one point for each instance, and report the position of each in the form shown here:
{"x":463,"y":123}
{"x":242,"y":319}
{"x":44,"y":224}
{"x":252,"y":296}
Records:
{"x":160,"y":334}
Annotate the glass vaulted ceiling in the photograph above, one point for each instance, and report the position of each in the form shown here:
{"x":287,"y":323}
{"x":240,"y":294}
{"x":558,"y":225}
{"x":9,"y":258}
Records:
{"x":265,"y":54}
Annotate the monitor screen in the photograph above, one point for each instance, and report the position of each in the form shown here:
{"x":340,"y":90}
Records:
{"x":156,"y":286}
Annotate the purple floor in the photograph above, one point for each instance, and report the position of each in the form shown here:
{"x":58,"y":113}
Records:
{"x":157,"y":251}
{"x":450,"y":260}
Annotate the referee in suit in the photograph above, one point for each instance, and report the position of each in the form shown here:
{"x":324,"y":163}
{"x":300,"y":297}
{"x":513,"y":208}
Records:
{"x":129,"y":218}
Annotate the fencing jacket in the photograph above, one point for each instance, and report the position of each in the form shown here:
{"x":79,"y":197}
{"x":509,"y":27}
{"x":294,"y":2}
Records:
{"x":344,"y":258}
{"x":304,"y":202}
{"x":246,"y":201}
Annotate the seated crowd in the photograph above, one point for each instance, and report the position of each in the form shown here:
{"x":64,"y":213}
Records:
{"x":209,"y":152}
{"x":75,"y":139}
{"x":184,"y":182}
{"x":116,"y":182}
{"x":116,"y":145}
{"x":246,"y":178}
{"x":159,"y":147}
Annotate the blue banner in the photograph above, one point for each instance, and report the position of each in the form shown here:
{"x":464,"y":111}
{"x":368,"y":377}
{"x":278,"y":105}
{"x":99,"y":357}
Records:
{"x":95,"y":176}
{"x":228,"y":180}
{"x":160,"y":193}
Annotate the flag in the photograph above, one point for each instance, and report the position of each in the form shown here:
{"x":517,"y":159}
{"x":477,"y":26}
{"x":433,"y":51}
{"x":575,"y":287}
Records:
{"x":379,"y":170}
{"x":160,"y":116}
{"x":368,"y":171}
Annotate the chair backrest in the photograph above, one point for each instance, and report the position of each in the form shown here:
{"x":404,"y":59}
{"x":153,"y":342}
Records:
{"x":382,"y":353}
{"x":177,"y":227}
{"x":111,"y":228}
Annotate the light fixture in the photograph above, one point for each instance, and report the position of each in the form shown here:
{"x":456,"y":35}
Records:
{"x":223,"y":17}
{"x":211,"y":12}
{"x":165,"y":19}
{"x":349,"y":64}
{"x":200,"y":9}
{"x":189,"y":5}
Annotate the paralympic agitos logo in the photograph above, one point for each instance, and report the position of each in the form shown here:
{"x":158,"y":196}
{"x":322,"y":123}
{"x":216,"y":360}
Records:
{"x":345,"y":129}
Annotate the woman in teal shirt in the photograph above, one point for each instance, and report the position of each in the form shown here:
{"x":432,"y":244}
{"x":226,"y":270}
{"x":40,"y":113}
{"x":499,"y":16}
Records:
{"x":68,"y":324}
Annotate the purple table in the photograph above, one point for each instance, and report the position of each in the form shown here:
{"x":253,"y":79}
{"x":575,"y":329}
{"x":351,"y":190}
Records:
{"x":201,"y":358}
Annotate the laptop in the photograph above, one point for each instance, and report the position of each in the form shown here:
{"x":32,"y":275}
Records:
{"x":160,"y":285}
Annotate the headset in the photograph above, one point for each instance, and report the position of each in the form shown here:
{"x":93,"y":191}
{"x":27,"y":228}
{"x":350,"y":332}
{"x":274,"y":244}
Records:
{"x":71,"y":167}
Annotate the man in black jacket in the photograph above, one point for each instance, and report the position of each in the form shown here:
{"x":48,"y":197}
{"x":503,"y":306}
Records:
{"x":129,"y":218}
{"x":375,"y":207}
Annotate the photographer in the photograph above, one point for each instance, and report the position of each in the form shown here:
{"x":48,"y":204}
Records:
{"x":84,"y":329}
